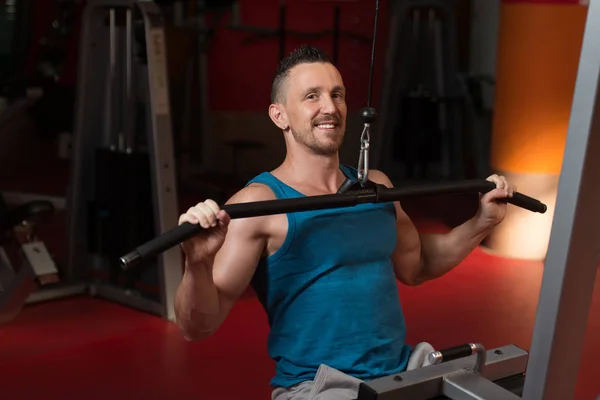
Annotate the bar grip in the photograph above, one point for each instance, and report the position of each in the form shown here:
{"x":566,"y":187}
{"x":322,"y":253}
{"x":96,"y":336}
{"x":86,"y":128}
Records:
{"x":452,"y":353}
{"x":461,"y":351}
{"x":521,"y":200}
{"x":159,"y":244}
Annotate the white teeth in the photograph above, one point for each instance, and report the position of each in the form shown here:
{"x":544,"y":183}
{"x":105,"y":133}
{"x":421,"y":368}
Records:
{"x":326,"y":126}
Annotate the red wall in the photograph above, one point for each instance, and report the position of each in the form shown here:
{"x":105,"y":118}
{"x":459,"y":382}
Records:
{"x":240,"y":75}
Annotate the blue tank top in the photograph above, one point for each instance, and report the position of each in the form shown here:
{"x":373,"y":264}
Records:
{"x":330,"y":292}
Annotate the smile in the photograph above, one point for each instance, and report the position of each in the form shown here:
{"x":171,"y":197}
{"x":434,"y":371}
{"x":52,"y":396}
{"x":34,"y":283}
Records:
{"x":326,"y":126}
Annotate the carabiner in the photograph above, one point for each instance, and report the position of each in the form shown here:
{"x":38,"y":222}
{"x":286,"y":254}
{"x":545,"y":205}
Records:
{"x":363,"y":159}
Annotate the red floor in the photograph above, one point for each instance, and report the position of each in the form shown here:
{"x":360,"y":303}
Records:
{"x":93,"y":348}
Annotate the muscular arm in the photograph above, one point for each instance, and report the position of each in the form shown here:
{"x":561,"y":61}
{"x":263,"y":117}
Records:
{"x":210,"y":288}
{"x":422,"y":257}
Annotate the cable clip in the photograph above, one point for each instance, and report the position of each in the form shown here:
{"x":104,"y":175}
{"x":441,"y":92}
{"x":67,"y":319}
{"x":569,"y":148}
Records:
{"x":363,"y":160}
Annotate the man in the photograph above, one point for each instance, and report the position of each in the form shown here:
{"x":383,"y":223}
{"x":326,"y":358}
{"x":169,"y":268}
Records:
{"x":326,"y":278}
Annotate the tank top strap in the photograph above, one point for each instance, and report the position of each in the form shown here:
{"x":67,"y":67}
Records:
{"x":280,"y":189}
{"x":349,"y":171}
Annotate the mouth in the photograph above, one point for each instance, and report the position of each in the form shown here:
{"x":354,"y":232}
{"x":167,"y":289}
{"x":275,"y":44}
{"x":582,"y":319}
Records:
{"x":327,"y":126}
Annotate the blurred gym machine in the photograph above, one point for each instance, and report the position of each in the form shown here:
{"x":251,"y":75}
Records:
{"x":25,"y":263}
{"x":15,"y":19}
{"x":123,"y":173}
{"x":122,"y":188}
{"x":37,"y":62}
{"x":15,"y":25}
{"x":194,"y":142}
{"x":429,"y":126}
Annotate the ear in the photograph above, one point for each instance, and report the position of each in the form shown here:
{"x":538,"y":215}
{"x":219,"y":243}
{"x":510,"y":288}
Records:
{"x":279,"y":116}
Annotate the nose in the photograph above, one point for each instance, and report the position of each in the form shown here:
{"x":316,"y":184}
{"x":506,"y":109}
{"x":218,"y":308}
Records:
{"x":327,"y":105}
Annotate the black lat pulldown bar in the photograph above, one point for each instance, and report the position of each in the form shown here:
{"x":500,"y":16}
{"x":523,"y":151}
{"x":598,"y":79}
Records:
{"x":372,"y":193}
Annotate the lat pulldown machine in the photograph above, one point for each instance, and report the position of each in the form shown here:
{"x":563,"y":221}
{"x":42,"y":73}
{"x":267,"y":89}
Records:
{"x":469,"y":371}
{"x":123,"y":173}
{"x":122,"y":187}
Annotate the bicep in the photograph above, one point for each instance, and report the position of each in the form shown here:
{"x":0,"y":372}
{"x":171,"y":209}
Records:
{"x":407,"y":254}
{"x":236,"y":261}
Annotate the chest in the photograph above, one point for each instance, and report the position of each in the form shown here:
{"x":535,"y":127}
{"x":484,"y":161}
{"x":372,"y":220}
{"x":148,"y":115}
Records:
{"x":336,"y":236}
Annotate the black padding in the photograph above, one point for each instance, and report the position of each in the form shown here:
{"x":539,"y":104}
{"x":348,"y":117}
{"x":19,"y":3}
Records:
{"x":452,"y":353}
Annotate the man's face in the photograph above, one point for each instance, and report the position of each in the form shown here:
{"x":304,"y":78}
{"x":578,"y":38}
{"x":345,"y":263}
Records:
{"x":315,"y":104}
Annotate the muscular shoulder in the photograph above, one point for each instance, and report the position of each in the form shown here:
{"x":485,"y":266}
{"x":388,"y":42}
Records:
{"x":257,"y":226}
{"x":379,"y":177}
{"x":252,"y":192}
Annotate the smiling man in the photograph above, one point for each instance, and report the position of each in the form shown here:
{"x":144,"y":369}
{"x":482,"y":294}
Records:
{"x":326,"y":278}
{"x":297,"y":100}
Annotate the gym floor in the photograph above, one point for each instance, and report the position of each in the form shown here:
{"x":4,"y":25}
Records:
{"x":90,"y":348}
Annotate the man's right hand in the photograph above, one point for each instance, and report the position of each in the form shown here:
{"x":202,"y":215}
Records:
{"x":204,"y":246}
{"x":220,"y":262}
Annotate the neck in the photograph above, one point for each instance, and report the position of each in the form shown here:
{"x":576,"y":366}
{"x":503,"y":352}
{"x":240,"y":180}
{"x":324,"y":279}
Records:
{"x":323,"y":172}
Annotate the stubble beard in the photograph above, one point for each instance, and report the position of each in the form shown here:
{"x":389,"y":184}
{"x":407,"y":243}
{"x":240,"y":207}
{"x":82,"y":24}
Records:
{"x":311,"y":141}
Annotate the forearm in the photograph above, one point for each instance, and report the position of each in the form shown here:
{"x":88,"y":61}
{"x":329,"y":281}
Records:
{"x":440,"y":253}
{"x":197,"y":306}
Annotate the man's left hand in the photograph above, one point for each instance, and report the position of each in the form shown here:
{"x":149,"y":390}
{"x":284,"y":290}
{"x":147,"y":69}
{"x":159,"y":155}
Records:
{"x":491,"y":211}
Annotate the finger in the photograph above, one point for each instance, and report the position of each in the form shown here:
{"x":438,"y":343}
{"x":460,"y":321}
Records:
{"x":492,"y":178}
{"x":187,"y":218}
{"x":214,"y":207}
{"x":211,"y":210}
{"x":500,"y":182}
{"x":203,"y":214}
{"x":505,"y":185}
{"x":510,"y":189}
{"x":495,"y":179}
{"x":223,"y":218}
{"x":210,"y":214}
{"x":495,"y":194}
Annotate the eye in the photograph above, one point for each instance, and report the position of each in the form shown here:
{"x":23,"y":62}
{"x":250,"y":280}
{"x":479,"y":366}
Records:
{"x":311,"y":96}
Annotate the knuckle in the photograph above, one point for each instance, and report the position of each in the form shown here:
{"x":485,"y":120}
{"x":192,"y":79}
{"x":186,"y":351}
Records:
{"x":211,"y":203}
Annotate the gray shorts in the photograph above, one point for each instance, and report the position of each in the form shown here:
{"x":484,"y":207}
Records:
{"x":331,"y":384}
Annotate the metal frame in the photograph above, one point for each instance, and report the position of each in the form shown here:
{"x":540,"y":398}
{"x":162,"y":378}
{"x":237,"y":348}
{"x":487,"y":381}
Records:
{"x":152,"y":84}
{"x":572,"y":258}
{"x":166,"y":208}
{"x":456,"y":379}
